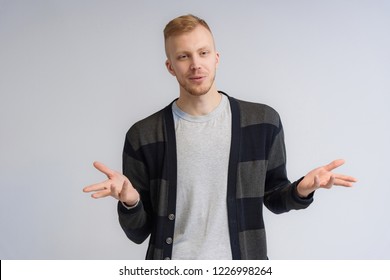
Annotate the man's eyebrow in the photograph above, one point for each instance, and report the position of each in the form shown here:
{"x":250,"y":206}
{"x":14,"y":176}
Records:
{"x":199,"y":49}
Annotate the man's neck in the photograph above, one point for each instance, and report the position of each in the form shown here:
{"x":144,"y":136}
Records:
{"x":199,"y":105}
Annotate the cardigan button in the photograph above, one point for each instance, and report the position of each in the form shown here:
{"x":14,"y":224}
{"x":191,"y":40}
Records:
{"x":171,"y":217}
{"x":169,"y":240}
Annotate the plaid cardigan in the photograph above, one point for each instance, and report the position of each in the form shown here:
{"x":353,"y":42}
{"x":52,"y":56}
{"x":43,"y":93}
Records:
{"x":256,"y":176}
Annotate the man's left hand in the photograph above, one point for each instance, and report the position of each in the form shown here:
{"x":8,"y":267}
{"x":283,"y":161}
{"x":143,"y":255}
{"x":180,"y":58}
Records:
{"x":323,"y":177}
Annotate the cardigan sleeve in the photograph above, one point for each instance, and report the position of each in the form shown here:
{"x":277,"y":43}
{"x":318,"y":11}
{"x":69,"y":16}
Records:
{"x":135,"y":222}
{"x":280,"y":194}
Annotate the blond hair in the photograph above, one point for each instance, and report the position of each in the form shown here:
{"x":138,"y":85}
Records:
{"x":183,"y":24}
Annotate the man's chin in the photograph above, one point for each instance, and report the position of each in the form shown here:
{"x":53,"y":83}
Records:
{"x":198,"y":91}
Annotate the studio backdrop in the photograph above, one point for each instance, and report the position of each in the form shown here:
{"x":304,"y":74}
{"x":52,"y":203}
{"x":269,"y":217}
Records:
{"x":75,"y":75}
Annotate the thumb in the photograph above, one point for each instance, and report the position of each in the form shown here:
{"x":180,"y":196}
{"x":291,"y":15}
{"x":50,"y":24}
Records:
{"x":317,"y":182}
{"x":125,"y":186}
{"x":128,"y":194}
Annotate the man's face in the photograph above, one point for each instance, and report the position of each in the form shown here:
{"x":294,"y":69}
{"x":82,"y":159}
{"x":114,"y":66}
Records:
{"x":192,"y":59}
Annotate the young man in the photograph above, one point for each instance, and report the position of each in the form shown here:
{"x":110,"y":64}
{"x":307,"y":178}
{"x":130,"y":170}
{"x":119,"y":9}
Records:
{"x":197,"y":173}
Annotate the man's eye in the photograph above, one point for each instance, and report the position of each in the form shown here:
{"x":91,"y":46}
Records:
{"x":183,"y":56}
{"x":204,"y":53}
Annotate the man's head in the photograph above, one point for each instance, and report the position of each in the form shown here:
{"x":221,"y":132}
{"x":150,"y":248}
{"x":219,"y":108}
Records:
{"x":191,"y":54}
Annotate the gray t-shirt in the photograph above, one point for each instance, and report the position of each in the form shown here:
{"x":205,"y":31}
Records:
{"x":203,"y":147}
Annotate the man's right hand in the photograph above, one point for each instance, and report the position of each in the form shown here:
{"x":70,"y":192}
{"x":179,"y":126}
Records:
{"x":117,"y":185}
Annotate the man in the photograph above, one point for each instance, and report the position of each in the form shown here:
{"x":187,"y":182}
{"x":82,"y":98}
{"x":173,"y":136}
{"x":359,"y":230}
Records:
{"x":197,"y":173}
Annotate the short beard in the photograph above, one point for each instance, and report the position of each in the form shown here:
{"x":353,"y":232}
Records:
{"x":194,"y":91}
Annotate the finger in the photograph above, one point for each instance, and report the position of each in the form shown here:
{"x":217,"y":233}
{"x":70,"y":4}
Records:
{"x":127,"y":194}
{"x":114,"y":192}
{"x":104,"y":169}
{"x":316,"y":182}
{"x":346,"y":178}
{"x":126,"y":186}
{"x":334,"y":164}
{"x":97,"y":187}
{"x":101,"y":194}
{"x":125,"y":189}
{"x":343,"y":183}
{"x":330,"y":183}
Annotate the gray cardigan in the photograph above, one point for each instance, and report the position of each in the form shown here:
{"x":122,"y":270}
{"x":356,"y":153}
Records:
{"x":257,"y":176}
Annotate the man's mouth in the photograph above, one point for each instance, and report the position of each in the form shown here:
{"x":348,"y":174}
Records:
{"x":197,"y":78}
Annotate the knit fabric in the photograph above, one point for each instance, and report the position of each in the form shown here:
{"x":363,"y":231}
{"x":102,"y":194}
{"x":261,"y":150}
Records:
{"x":256,"y":176}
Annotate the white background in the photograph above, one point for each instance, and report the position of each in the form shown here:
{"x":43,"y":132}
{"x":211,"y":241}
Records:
{"x":74,"y":76}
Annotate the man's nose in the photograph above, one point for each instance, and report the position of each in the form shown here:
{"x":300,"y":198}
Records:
{"x":195,"y":64}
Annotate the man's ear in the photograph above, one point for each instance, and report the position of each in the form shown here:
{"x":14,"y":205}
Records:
{"x":168,"y":64}
{"x":217,"y":59}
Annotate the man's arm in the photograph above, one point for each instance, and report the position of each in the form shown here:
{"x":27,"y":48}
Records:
{"x":281,"y":195}
{"x":132,"y":216}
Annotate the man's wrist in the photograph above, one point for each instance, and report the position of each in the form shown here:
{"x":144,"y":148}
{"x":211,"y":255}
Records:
{"x":131,"y":205}
{"x":301,"y":194}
